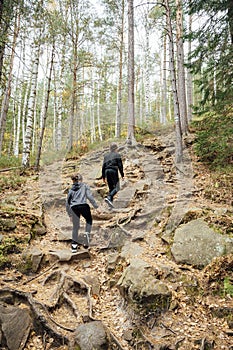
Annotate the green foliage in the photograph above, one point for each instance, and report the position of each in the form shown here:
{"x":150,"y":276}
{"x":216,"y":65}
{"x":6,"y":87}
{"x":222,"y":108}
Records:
{"x":214,"y":141}
{"x":228,"y":287}
{"x":4,"y":260}
{"x":211,"y":59}
{"x":7,"y":247}
{"x":12,"y":181}
{"x":9,"y":162}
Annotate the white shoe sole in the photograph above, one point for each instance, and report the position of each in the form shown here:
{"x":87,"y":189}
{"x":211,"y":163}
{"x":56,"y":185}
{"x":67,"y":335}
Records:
{"x":109,"y":202}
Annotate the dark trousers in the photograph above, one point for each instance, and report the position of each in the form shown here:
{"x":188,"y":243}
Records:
{"x":77,"y":211}
{"x":113,"y":182}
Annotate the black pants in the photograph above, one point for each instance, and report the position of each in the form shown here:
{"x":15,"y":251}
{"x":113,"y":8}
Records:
{"x":85,"y":211}
{"x":113,"y":182}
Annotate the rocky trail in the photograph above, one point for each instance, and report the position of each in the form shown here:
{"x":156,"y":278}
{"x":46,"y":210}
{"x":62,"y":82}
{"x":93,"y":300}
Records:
{"x":151,"y":275}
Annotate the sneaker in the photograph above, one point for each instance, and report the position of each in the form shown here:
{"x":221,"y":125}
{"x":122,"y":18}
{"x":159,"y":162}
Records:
{"x":86,"y":240}
{"x":74,"y":247}
{"x":107,"y":200}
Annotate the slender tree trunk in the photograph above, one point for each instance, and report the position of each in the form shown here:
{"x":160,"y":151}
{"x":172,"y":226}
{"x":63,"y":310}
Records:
{"x":181,"y":88}
{"x":131,"y":115}
{"x":18,"y":125}
{"x":179,"y":147}
{"x":141,"y":95}
{"x":45,"y":112}
{"x":7,"y":94}
{"x":55,"y":112}
{"x":189,"y":78}
{"x":92,"y":113}
{"x":163,"y":117}
{"x":61,"y":85}
{"x":147,"y":70}
{"x":25,"y":109}
{"x":119,"y":88}
{"x":98,"y":113}
{"x":31,"y":107}
{"x":74,"y":99}
{"x":20,"y":103}
{"x":7,"y":9}
{"x":230,"y":18}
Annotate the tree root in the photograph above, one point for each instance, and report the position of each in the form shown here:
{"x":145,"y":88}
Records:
{"x":42,"y":320}
{"x":66,"y":282}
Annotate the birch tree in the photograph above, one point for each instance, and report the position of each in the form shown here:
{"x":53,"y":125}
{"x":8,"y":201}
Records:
{"x":32,"y":101}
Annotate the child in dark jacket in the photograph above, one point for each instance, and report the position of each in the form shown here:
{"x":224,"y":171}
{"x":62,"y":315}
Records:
{"x":111,"y":165}
{"x":76,"y":205}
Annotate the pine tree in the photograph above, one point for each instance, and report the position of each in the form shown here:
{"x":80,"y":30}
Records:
{"x":213,"y":55}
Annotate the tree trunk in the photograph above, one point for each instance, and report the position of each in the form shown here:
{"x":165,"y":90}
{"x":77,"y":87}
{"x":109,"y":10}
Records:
{"x":163,"y":114}
{"x":98,"y":112}
{"x":179,"y":147}
{"x":230,"y":18}
{"x":189,"y":78}
{"x":180,"y":68}
{"x":131,"y":115}
{"x":7,"y":94}
{"x":74,"y":99}
{"x":45,"y":109}
{"x":7,"y":9}
{"x":31,"y":106}
{"x":147,"y":70}
{"x":119,"y":88}
{"x":61,"y":83}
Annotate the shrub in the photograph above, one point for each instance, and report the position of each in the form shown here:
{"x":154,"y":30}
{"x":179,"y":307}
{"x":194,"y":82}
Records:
{"x":214,"y":141}
{"x":9,"y":162}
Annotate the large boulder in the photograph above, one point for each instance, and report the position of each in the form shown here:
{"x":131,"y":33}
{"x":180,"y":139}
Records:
{"x":195,"y":243}
{"x":138,"y":285}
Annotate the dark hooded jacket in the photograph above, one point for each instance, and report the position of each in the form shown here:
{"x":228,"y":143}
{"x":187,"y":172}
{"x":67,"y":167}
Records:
{"x":112,"y":160}
{"x":78,"y":194}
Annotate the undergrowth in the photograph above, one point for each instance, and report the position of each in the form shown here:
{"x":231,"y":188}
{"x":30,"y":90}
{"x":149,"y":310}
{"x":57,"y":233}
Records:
{"x":214,"y":141}
{"x":11,"y":181}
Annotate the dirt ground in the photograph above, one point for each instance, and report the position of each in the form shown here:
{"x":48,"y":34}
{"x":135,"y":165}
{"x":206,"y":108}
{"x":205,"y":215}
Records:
{"x":150,"y":203}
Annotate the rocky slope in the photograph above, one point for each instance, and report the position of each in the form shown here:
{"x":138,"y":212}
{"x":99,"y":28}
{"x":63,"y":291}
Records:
{"x":144,"y":293}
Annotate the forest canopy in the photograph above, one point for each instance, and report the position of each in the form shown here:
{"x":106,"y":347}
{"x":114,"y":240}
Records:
{"x":75,"y":73}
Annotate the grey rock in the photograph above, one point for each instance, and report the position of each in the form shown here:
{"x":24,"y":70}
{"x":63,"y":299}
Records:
{"x":197,"y":244}
{"x":15,"y":326}
{"x":91,"y":336}
{"x":33,"y":255}
{"x":67,"y":255}
{"x":138,"y":285}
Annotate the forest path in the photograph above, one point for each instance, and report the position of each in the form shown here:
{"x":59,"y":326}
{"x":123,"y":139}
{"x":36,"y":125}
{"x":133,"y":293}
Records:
{"x":152,"y":185}
{"x":148,"y":180}
{"x":65,"y":290}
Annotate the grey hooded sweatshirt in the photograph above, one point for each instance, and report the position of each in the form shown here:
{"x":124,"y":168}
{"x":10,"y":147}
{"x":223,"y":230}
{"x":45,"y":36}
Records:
{"x":78,"y":194}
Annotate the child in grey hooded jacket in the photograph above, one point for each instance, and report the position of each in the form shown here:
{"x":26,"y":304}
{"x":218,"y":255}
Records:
{"x":76,"y":205}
